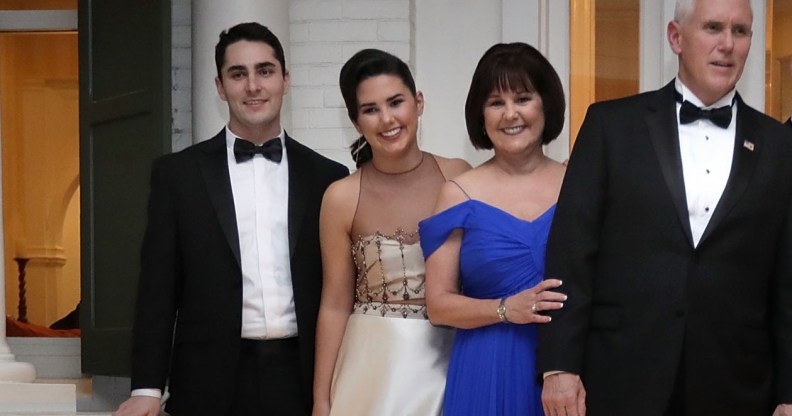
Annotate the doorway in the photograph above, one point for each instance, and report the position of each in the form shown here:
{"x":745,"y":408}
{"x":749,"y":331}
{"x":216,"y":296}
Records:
{"x":39,"y":130}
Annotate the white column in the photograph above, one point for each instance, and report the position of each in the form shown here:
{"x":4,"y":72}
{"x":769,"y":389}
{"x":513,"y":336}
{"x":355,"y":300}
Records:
{"x":10,"y":369}
{"x":209,"y":18}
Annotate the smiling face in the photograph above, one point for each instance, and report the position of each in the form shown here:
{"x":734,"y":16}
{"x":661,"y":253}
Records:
{"x":514,"y":120}
{"x":387,"y":114}
{"x":253,"y":84}
{"x":712,"y":44}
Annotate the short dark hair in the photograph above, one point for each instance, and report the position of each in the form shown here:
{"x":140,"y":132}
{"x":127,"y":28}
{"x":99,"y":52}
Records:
{"x":361,"y":66}
{"x":250,"y":31}
{"x":512,"y":67}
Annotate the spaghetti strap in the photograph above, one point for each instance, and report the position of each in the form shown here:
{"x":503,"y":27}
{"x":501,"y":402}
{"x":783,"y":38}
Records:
{"x":460,"y":188}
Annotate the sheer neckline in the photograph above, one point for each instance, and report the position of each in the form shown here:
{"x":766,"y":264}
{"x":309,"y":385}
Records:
{"x":404,"y":172}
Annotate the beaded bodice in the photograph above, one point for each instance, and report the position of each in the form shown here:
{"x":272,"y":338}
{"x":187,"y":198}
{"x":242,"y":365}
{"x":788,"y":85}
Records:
{"x":390,"y":267}
{"x":390,"y":273}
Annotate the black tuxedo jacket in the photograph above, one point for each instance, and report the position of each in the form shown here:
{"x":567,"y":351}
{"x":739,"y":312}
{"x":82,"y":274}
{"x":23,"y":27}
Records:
{"x":644,"y":303}
{"x":189,"y":310}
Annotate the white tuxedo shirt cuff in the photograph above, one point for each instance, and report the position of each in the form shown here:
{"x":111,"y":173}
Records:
{"x":147,"y":392}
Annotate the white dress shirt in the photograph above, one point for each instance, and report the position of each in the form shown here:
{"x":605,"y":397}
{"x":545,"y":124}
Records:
{"x":707,"y":151}
{"x":261,"y":195}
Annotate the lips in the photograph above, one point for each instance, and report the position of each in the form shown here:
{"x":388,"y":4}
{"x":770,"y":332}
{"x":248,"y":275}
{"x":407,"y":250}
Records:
{"x":513,"y":130}
{"x":391,"y":133}
{"x":255,"y":103}
{"x":722,"y":64}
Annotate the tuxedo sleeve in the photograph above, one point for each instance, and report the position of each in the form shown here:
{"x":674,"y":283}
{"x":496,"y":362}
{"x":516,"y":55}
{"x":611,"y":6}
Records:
{"x":572,"y":248}
{"x":782,"y":312}
{"x":157,"y":287}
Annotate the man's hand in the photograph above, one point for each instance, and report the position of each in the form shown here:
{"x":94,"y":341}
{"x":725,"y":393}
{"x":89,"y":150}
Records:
{"x":139,"y":406}
{"x":564,"y":395}
{"x":783,"y":410}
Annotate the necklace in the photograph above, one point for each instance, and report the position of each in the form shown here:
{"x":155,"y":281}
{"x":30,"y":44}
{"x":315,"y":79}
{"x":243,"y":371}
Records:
{"x":420,"y":162}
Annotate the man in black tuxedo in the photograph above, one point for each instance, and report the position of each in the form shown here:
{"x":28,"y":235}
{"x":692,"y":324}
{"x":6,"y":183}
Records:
{"x":231,"y":270}
{"x":673,"y":238}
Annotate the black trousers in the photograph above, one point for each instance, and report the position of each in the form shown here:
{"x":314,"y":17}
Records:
{"x":268,"y":380}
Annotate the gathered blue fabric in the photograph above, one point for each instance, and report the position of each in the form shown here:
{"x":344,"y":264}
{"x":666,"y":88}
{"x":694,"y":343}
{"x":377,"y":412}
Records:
{"x":492,"y":370}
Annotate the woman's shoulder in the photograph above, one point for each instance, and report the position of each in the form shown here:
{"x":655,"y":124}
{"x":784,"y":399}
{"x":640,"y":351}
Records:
{"x":451,"y":167}
{"x":343,"y":192}
{"x":557,"y":170}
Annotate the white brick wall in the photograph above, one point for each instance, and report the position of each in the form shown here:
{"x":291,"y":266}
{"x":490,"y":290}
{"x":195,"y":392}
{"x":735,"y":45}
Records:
{"x":181,"y":74}
{"x":324,"y":34}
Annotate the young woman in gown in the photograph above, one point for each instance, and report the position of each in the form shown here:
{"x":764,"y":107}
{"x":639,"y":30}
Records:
{"x":485,"y":246}
{"x":377,"y":353}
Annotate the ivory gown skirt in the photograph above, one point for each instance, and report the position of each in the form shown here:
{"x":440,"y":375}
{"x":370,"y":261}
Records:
{"x":390,"y":366}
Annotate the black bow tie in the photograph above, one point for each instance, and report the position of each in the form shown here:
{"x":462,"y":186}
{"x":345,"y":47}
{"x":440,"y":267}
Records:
{"x":271,"y":149}
{"x":689,"y":113}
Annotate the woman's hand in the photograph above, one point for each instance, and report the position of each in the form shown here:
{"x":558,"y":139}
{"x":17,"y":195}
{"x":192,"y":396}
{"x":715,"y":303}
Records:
{"x":526,"y":307}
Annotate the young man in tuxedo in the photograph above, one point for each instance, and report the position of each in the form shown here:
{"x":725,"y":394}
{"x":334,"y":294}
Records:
{"x":673,"y":239}
{"x":231,"y":269}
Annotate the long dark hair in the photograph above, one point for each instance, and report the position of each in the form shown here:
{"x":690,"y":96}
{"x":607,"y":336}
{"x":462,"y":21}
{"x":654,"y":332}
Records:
{"x":361,"y":66}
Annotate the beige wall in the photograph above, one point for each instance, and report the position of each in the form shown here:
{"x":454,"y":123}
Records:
{"x":779,"y":96}
{"x":40,"y":130}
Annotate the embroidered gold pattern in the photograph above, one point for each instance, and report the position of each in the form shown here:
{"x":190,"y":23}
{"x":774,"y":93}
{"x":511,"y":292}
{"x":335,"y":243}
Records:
{"x":374,"y":287}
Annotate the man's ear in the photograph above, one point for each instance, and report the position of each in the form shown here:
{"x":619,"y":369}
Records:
{"x":220,"y":89}
{"x":286,"y":81}
{"x":674,"y":33}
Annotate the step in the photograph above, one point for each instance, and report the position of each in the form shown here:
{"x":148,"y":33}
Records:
{"x":37,"y":398}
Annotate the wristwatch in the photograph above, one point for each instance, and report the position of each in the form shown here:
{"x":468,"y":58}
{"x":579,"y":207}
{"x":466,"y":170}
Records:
{"x":502,"y":310}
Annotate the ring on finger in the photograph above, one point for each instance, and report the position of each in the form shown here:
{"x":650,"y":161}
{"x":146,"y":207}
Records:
{"x":533,"y":308}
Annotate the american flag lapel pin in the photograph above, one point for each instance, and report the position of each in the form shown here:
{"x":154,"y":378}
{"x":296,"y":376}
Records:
{"x":748,"y":145}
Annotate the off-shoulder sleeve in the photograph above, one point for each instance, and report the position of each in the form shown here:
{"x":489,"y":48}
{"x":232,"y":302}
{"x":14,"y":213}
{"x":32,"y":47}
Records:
{"x":434,"y":231}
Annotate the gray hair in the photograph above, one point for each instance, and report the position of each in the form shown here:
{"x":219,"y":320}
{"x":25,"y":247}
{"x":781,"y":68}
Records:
{"x":684,"y":9}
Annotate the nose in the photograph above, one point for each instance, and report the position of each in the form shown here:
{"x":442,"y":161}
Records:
{"x":509,"y":111}
{"x":727,"y":40}
{"x":252,"y":85}
{"x":386,"y":116}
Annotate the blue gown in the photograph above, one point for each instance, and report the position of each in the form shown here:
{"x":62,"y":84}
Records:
{"x":492,"y":370}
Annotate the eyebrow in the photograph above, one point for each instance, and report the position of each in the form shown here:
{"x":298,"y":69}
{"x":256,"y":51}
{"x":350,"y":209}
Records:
{"x":259,"y":65}
{"x":386,"y":100}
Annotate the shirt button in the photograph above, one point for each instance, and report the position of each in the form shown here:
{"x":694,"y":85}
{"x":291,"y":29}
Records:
{"x":708,"y":171}
{"x":706,"y":209}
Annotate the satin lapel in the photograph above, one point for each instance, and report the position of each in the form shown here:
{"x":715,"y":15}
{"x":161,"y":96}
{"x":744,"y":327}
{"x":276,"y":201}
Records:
{"x":300,"y":173}
{"x":214,"y":167}
{"x":747,"y":148}
{"x":662,"y":124}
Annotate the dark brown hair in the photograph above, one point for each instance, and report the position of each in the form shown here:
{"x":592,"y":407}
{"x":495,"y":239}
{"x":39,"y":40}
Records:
{"x":361,"y":66}
{"x":514,"y":67}
{"x":252,"y":32}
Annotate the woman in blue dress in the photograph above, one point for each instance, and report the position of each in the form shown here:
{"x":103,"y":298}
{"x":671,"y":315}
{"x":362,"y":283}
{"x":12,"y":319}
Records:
{"x":485,"y":245}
